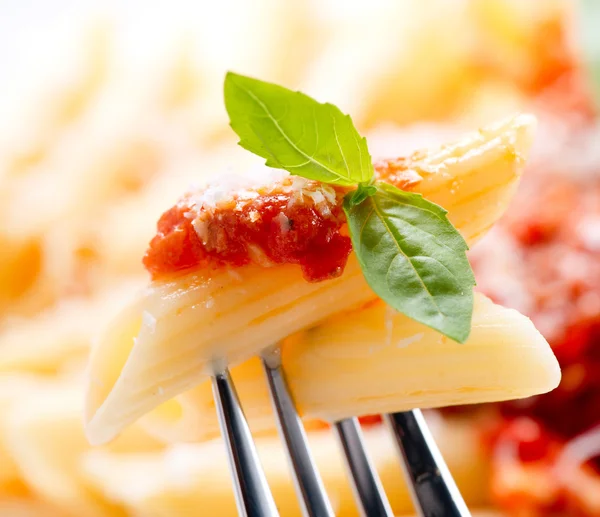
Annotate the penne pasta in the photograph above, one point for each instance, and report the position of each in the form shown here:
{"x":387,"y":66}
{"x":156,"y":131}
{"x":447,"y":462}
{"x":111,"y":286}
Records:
{"x":403,"y":90}
{"x":46,"y":441}
{"x":105,"y":124}
{"x":188,"y":477}
{"x":168,"y":341}
{"x":375,"y":360}
{"x":20,"y":265}
{"x":61,"y":335}
{"x":123,"y":132}
{"x":32,"y":127}
{"x":407,"y":365}
{"x":14,"y":387}
{"x":26,"y":507}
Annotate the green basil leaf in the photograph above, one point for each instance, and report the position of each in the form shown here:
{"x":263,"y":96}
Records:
{"x":364,"y":190}
{"x":414,"y":259}
{"x":295,"y":132}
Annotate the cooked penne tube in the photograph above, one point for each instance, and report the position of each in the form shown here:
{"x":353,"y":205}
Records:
{"x":60,"y":336}
{"x":49,"y":102}
{"x":172,"y":337}
{"x":27,"y":507}
{"x":20,"y":265}
{"x":189,"y":477}
{"x":14,"y":387}
{"x":375,"y":360}
{"x":406,"y":364}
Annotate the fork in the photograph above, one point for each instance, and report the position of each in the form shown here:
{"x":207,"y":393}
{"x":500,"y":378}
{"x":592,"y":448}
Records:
{"x":433,"y":490}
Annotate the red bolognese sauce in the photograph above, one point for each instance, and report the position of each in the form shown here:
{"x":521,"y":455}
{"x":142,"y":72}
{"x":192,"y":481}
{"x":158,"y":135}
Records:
{"x":544,"y":260}
{"x":289,"y":221}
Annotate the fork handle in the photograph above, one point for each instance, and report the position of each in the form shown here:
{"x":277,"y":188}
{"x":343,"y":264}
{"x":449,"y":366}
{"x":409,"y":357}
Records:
{"x":433,"y":490}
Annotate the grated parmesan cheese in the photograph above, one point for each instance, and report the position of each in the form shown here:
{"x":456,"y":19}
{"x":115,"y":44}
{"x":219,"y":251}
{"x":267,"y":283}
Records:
{"x":201,"y":229}
{"x":243,"y":190}
{"x":316,"y":196}
{"x":258,"y":256}
{"x":284,"y":222}
{"x":234,"y":186}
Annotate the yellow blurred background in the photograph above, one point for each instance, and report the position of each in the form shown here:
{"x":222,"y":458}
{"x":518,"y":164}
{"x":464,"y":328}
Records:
{"x":109,"y":112}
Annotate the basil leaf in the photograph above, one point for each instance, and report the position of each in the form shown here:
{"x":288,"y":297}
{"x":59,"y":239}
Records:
{"x":356,"y":197}
{"x":414,"y":259}
{"x":296,"y":133}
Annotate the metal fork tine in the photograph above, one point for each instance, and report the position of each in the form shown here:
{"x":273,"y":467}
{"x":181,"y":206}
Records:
{"x":309,"y":487}
{"x":433,"y":490}
{"x":252,"y":493}
{"x":368,"y":491}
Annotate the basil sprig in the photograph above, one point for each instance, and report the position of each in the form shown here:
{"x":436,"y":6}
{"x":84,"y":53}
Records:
{"x":413,"y":258}
{"x":409,"y":252}
{"x":296,"y":133}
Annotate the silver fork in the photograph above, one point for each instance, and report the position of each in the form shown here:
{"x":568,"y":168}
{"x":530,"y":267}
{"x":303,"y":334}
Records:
{"x":433,"y":490}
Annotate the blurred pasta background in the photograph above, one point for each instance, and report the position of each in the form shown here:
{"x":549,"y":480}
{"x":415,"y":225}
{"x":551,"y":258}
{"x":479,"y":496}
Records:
{"x":107,"y":115}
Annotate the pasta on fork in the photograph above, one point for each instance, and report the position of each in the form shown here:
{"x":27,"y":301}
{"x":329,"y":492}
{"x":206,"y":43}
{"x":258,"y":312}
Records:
{"x":237,"y":268}
{"x":370,"y":360}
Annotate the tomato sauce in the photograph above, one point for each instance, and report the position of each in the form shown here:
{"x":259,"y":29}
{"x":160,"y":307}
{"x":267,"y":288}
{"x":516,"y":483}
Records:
{"x":551,"y":241}
{"x":556,"y":76}
{"x":274,"y":224}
